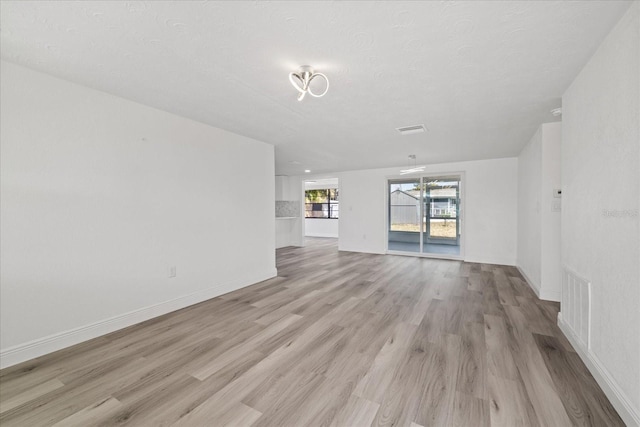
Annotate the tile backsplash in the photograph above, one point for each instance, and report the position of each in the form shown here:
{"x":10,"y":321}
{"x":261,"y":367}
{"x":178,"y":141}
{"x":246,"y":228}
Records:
{"x":287,"y":208}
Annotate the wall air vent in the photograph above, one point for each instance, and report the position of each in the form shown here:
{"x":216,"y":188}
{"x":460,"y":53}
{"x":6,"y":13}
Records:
{"x":408,"y":130}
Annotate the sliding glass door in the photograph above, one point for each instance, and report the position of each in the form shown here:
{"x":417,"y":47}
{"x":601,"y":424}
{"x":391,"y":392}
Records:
{"x":424,"y":215}
{"x":441,"y":196}
{"x":404,"y":215}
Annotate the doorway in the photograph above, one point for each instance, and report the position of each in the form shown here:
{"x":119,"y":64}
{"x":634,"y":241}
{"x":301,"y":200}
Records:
{"x":321,"y":207}
{"x":424,"y":216}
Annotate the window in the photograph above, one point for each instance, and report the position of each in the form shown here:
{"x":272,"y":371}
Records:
{"x":321,"y":203}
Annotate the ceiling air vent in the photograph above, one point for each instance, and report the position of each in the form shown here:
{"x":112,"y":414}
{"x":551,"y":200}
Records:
{"x":408,"y":130}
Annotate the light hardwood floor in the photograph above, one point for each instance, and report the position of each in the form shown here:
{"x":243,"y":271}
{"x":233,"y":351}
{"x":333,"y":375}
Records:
{"x":338,"y":339}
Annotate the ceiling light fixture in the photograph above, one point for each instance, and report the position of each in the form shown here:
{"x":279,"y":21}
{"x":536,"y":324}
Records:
{"x":307,"y":171}
{"x":556,"y":112}
{"x":413,"y":169}
{"x":302,"y":79}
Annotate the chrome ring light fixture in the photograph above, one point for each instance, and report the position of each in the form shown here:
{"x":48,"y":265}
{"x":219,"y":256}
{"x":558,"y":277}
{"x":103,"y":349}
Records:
{"x":302,"y":79}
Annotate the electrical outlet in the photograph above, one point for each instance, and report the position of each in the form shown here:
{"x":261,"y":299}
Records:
{"x":172,"y":271}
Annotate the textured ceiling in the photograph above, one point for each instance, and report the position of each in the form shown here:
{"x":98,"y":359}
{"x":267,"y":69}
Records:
{"x":480,"y":75}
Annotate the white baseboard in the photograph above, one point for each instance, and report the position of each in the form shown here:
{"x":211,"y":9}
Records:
{"x":550,"y":296}
{"x":39,"y":347}
{"x":619,"y":400}
{"x":533,"y":285}
{"x":492,"y":261}
{"x":372,"y":248}
{"x":543,"y":295}
{"x":321,"y":235}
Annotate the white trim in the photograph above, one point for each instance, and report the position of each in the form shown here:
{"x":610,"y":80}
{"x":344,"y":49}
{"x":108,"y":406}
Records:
{"x":543,"y":295}
{"x":492,"y":261}
{"x":610,"y":387}
{"x":41,"y":346}
{"x":533,"y":285}
{"x":496,"y":261}
{"x":335,"y":236}
{"x":362,"y":251}
{"x":550,"y":296}
{"x":426,"y":255}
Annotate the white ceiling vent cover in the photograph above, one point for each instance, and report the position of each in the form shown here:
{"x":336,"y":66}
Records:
{"x":408,"y":130}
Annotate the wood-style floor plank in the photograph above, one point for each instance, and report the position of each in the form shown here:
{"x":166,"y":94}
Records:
{"x":470,"y":411}
{"x":91,"y":415}
{"x":356,"y":412}
{"x":376,"y":381}
{"x":337,"y":339}
{"x":31,"y":394}
{"x":583,"y":404}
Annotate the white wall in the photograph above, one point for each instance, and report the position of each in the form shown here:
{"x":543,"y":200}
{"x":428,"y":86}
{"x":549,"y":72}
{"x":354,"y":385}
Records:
{"x":100,"y":196}
{"x":551,"y":279}
{"x":529,"y":221}
{"x":490,"y":208}
{"x":600,"y":223}
{"x":538,"y":218}
{"x":281,"y":187}
{"x":321,"y":227}
{"x":286,"y":230}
